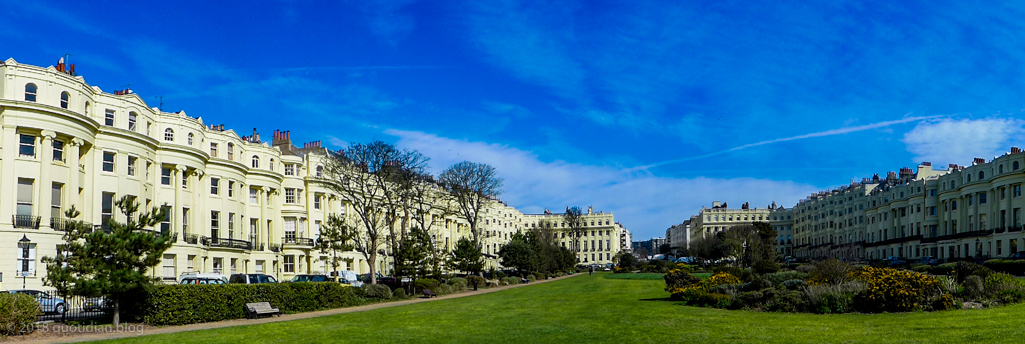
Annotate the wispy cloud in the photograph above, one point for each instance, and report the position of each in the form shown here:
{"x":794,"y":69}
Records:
{"x":831,"y":132}
{"x":950,"y":141}
{"x":645,"y":203}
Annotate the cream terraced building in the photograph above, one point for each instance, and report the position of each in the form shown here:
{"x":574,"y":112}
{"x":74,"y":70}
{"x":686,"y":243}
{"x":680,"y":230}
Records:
{"x":237,"y":204}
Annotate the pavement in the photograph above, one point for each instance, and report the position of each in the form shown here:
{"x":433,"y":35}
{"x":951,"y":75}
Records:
{"x":67,"y":336}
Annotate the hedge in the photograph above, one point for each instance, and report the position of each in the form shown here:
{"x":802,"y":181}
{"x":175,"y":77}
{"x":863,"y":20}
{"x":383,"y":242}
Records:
{"x":17,"y":313}
{"x":190,"y":304}
{"x":1014,"y":267}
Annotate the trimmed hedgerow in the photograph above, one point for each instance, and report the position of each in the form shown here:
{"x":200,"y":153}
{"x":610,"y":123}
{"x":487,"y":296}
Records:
{"x":1014,"y":267}
{"x":190,"y":304}
{"x":17,"y":313}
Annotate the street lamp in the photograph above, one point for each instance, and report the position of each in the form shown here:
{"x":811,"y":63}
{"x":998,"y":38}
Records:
{"x":25,"y":244}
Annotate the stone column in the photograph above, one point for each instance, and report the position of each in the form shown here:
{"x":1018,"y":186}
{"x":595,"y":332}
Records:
{"x":72,"y":156}
{"x":177,"y":209}
{"x":45,"y":180}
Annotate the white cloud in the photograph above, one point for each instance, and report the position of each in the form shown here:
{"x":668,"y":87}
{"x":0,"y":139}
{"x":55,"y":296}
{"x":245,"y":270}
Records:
{"x":337,"y":142}
{"x":950,"y":141}
{"x":646,"y":204}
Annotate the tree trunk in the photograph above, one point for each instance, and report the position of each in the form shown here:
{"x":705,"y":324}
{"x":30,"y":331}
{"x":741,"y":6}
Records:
{"x":372,"y":260}
{"x":117,"y":312}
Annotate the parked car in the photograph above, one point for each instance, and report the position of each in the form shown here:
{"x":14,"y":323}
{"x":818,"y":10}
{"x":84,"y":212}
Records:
{"x":929,"y":260}
{"x":894,"y":261}
{"x":97,"y":304}
{"x":311,"y":278}
{"x":47,"y":303}
{"x":203,"y":280}
{"x":251,"y":279}
{"x":1020,"y":255}
{"x":350,"y":278}
{"x":204,"y":275}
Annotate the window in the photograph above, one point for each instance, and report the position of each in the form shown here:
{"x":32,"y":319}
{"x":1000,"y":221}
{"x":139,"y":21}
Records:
{"x":213,"y":149}
{"x":30,"y":92}
{"x":24,"y":197}
{"x":27,"y":145}
{"x":252,"y":196}
{"x":289,"y":169}
{"x":270,"y":166}
{"x":65,"y":97}
{"x":168,"y":134}
{"x":108,"y":118}
{"x":185,"y":180}
{"x":1016,"y":190}
{"x":289,"y":263}
{"x":231,"y":225}
{"x":231,"y":151}
{"x":132,"y":121}
{"x":256,"y":162}
{"x":56,"y":198}
{"x":1014,"y":166}
{"x":290,"y":228}
{"x":289,"y":196}
{"x":231,"y":189}
{"x":982,"y":175}
{"x":190,"y":139}
{"x":316,"y":202}
{"x":982,"y":198}
{"x":26,"y":258}
{"x":169,"y":269}
{"x":149,"y":128}
{"x":214,"y":188}
{"x":215,"y":223}
{"x":108,"y":161}
{"x":953,"y":205}
{"x":86,"y":109}
{"x":320,"y":171}
{"x":58,"y":150}
{"x":131,"y":165}
{"x":106,"y":209}
{"x":165,"y":176}
{"x":1000,"y":169}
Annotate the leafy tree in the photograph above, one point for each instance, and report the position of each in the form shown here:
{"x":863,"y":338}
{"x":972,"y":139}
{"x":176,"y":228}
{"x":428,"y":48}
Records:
{"x":414,"y":257}
{"x":467,"y":256}
{"x":626,"y":260}
{"x":115,"y":262}
{"x":335,"y":237}
{"x":471,"y":186}
{"x":371,"y":177}
{"x":518,"y":254}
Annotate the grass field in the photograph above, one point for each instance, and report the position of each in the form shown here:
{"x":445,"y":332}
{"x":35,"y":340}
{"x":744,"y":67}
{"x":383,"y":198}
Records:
{"x":595,"y":309}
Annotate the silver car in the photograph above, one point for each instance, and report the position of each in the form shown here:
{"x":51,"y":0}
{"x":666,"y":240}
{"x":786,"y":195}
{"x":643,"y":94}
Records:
{"x":47,"y":303}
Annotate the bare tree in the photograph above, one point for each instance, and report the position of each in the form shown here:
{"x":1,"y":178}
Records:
{"x":429,"y":204}
{"x":574,"y":218}
{"x":472,"y":185}
{"x":369,"y":177}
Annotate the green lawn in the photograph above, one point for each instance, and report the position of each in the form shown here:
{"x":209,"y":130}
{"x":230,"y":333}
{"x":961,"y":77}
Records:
{"x":595,"y":309}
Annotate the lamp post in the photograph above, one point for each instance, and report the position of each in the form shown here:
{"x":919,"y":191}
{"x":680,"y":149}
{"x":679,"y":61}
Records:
{"x":25,"y":246}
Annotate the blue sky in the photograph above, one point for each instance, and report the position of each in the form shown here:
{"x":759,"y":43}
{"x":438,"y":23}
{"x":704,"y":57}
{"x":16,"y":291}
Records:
{"x":646,"y":110}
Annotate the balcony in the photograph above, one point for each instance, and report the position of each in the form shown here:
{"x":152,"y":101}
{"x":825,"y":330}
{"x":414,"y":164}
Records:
{"x":60,"y":224}
{"x":297,"y":241}
{"x":227,"y":243}
{"x":26,"y":221}
{"x":275,"y":247}
{"x":192,"y":239}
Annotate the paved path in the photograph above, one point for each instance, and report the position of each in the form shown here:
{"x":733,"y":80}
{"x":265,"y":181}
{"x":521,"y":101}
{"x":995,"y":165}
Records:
{"x":287,"y":317}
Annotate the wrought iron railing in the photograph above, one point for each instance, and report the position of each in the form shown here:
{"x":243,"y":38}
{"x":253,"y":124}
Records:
{"x":298,"y":241}
{"x":60,"y":224}
{"x":228,"y":243}
{"x":26,"y":221}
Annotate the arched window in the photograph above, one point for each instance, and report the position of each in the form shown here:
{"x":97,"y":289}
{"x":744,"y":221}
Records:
{"x":30,"y":92}
{"x":86,"y":109}
{"x":1014,"y":166}
{"x":168,"y":134}
{"x":1000,"y":169}
{"x":320,"y":171}
{"x":952,"y":185}
{"x":256,"y":162}
{"x":190,"y":139}
{"x":231,"y":151}
{"x":133,"y":119}
{"x":271,"y":165}
{"x":65,"y":97}
{"x":982,"y":175}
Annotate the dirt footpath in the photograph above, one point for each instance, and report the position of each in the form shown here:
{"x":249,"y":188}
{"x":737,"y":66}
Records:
{"x":59,"y":333}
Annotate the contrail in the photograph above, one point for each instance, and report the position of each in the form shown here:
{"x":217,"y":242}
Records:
{"x":840,"y":131}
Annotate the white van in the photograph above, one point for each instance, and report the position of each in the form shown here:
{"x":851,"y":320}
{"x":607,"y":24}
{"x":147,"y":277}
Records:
{"x":349,"y":277}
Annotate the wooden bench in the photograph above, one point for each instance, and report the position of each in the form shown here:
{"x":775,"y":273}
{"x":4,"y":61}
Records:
{"x":428,"y":293}
{"x":256,"y":309}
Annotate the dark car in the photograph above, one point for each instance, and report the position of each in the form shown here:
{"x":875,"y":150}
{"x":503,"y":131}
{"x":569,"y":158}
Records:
{"x":1020,"y":255}
{"x":251,"y":279}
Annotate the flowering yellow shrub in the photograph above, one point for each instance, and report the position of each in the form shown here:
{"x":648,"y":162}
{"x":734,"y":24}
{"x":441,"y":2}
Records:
{"x":721,"y":279}
{"x":895,"y":290}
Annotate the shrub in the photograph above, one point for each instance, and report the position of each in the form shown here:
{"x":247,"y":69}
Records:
{"x":805,"y":268}
{"x":921,"y":268}
{"x":973,"y":287}
{"x":793,"y":301}
{"x":794,"y":284}
{"x":378,"y":291}
{"x":531,"y":278}
{"x":765,"y":267}
{"x":425,"y":283}
{"x":459,"y":283}
{"x":998,"y":282}
{"x":189,"y":304}
{"x":697,"y":296}
{"x":400,"y":294}
{"x":964,"y":269}
{"x":750,"y":299}
{"x":444,"y":289}
{"x":945,"y":302}
{"x":1010,"y":296}
{"x":17,"y":313}
{"x":942,"y":269}
{"x":830,"y":298}
{"x":759,"y":283}
{"x":780,"y":277}
{"x":732,"y":270}
{"x":722,"y":278}
{"x":679,"y":278}
{"x":1014,"y":267}
{"x":511,"y":280}
{"x":894,"y":290}
{"x":481,"y":283}
{"x":832,"y":271}
{"x":539,"y":276}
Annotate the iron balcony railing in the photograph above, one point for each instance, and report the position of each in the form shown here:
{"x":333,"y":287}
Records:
{"x":227,"y":243}
{"x":297,"y":241}
{"x":192,"y":239}
{"x":26,"y":221}
{"x":60,"y":223}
